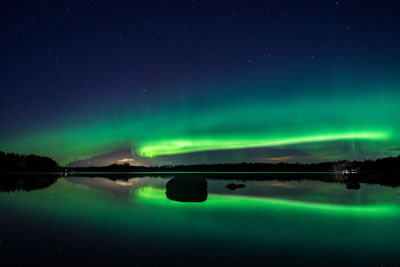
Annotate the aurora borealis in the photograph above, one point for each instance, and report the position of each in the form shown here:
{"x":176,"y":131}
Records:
{"x":200,"y":82}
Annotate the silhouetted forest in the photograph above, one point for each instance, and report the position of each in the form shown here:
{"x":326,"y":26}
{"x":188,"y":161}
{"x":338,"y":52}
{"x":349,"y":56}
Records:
{"x":11,"y":162}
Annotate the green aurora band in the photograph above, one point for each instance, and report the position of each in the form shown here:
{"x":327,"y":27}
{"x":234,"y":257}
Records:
{"x":182,"y":146}
{"x":367,"y":122}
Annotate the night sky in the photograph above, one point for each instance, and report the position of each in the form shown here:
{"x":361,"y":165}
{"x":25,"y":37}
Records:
{"x":180,"y":82}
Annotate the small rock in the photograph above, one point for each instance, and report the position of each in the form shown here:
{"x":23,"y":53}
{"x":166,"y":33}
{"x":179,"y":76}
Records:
{"x":233,"y":186}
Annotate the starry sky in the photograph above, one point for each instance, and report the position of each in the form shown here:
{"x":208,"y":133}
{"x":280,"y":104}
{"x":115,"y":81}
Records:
{"x":183,"y":82}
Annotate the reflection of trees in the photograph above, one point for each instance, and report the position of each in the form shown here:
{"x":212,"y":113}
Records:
{"x":25,"y":182}
{"x":386,"y":179}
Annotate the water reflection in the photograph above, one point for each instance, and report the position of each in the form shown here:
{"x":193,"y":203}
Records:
{"x":141,"y":221}
{"x":118,"y":187}
{"x":353,"y":186}
{"x":11,"y":183}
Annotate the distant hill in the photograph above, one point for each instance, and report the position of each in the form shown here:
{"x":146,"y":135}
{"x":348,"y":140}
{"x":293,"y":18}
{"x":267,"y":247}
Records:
{"x":11,"y":162}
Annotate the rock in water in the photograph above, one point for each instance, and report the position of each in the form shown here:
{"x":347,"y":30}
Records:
{"x":233,"y":186}
{"x":187,"y":189}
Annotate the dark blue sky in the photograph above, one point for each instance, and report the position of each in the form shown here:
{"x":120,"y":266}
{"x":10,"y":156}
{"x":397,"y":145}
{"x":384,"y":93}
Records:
{"x":66,"y":62}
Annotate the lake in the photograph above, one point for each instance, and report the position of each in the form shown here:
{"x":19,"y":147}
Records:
{"x":131,"y":221}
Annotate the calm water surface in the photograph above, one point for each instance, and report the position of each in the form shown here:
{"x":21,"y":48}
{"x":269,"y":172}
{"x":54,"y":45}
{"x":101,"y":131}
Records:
{"x":98,"y":221}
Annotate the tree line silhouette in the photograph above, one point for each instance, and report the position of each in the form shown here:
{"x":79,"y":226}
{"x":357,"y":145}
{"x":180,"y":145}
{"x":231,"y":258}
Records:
{"x":226,"y":167}
{"x":12,"y":162}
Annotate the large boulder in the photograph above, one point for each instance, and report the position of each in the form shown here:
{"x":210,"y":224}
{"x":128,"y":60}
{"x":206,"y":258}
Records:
{"x":187,"y":189}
